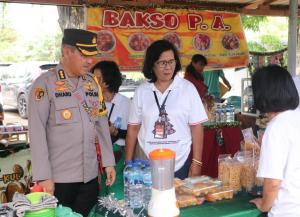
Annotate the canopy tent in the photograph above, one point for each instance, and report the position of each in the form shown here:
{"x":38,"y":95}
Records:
{"x":248,"y":7}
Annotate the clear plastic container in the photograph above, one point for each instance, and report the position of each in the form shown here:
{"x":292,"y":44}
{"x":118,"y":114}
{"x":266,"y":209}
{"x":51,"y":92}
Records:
{"x":198,"y":189}
{"x":178,"y":182}
{"x":185,"y":200}
{"x":196,"y":179}
{"x":220,"y":193}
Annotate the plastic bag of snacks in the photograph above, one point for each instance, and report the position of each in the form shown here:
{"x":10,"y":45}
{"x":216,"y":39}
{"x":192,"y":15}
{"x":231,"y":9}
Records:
{"x":230,"y":172}
{"x":248,"y":169}
{"x":250,"y":142}
{"x":258,"y":181}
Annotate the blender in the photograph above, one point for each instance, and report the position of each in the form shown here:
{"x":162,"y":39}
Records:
{"x":163,"y":201}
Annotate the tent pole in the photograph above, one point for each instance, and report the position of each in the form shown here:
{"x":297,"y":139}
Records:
{"x":292,"y":39}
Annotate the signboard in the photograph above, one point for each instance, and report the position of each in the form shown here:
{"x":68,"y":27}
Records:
{"x":123,"y":35}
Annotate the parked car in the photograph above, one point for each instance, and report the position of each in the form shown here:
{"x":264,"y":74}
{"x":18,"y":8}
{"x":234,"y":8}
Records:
{"x":3,"y":66}
{"x":16,"y":80}
{"x":127,"y":91}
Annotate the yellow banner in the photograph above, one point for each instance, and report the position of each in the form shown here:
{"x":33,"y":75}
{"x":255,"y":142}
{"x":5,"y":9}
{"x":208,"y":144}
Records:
{"x":123,"y":35}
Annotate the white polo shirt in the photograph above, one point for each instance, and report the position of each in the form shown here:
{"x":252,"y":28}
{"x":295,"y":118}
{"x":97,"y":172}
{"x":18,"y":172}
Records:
{"x":119,"y":115}
{"x":279,"y":159}
{"x":183,"y":107}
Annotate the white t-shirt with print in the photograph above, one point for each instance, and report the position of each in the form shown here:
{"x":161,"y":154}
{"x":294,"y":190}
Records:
{"x":183,"y":108}
{"x":119,"y":115}
{"x":280,"y":159}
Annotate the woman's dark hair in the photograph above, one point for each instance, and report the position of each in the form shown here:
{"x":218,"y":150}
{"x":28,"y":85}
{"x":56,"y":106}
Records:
{"x":111,"y":74}
{"x":191,"y":69}
{"x":274,"y":89}
{"x":152,"y":55}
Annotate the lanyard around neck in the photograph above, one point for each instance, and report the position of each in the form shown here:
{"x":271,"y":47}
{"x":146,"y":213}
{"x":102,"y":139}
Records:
{"x":164,"y":102}
{"x":111,"y":110}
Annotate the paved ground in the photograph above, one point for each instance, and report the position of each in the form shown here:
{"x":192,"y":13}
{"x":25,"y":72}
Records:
{"x":12,"y":116}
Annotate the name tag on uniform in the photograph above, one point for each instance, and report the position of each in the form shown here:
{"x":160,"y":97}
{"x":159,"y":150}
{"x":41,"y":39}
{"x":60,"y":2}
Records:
{"x":63,"y":94}
{"x":92,"y":94}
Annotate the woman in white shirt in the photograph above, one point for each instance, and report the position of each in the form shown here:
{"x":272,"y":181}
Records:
{"x":276,"y":95}
{"x":167,"y":111}
{"x":110,"y":80}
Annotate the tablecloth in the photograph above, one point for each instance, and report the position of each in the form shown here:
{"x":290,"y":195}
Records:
{"x":239,"y":206}
{"x":211,"y":149}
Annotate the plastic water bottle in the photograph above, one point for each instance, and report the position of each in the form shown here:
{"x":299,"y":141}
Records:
{"x":228,"y":113}
{"x":217,"y":113}
{"x":136,"y":187}
{"x":223,"y":114}
{"x":232,"y":113}
{"x":147,"y":183}
{"x":127,"y":173}
{"x":118,"y":123}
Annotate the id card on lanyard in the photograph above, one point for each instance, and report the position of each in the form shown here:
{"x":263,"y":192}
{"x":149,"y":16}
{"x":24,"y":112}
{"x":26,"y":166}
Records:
{"x":160,"y":126}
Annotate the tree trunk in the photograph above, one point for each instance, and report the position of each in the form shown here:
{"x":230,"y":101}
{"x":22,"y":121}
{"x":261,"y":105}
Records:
{"x":298,"y":52}
{"x":70,"y":17}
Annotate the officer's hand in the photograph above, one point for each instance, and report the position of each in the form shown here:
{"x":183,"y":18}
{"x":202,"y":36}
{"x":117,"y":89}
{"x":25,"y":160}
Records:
{"x":111,"y":175}
{"x":48,"y":186}
{"x":113,"y":131}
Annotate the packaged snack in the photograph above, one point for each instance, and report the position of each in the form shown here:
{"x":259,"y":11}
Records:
{"x":258,"y":181}
{"x":223,"y":162}
{"x":185,"y":200}
{"x":250,"y":142}
{"x":178,"y":182}
{"x":217,"y":182}
{"x":198,"y":189}
{"x":195,"y":179}
{"x":249,"y":175}
{"x":220,"y":194}
{"x":230,"y":173}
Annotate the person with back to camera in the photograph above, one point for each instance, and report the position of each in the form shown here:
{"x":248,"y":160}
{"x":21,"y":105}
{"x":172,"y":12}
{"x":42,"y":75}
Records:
{"x":275,"y":95}
{"x":162,"y":111}
{"x":66,"y":114}
{"x":297,"y":83}
{"x":194,"y":73}
{"x":110,"y":80}
{"x":211,"y":79}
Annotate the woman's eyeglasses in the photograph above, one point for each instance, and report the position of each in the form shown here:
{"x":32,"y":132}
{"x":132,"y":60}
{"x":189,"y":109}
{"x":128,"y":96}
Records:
{"x":165,"y":63}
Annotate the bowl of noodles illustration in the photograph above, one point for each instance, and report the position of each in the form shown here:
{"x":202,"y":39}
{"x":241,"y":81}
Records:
{"x":138,"y":41}
{"x":106,"y":41}
{"x":230,"y":41}
{"x":173,"y":38}
{"x":201,"y":41}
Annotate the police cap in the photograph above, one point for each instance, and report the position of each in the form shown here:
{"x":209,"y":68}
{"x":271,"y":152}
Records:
{"x":85,"y":41}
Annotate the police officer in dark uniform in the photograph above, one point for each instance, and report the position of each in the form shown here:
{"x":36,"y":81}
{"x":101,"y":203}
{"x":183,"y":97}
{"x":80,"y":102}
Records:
{"x":66,"y":115}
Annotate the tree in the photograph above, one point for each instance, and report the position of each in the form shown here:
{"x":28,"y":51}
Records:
{"x":8,"y":37}
{"x":45,"y":49}
{"x":70,"y":17}
{"x":253,"y":22}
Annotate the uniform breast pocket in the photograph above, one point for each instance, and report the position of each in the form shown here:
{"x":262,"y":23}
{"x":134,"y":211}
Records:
{"x":66,"y":112}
